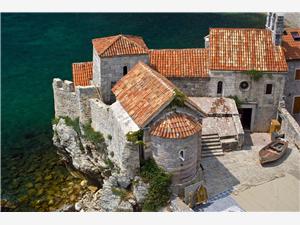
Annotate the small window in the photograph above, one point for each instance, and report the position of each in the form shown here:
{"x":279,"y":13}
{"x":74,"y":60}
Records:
{"x":244,"y":85}
{"x":269,"y":88}
{"x":124,"y":70}
{"x":220,"y":87}
{"x":181,"y":155}
{"x":297,"y":76}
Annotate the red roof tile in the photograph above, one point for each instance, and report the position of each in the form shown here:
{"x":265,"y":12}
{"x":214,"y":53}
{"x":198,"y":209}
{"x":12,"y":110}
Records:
{"x":244,"y":49}
{"x":175,"y":125}
{"x":82,"y":73}
{"x":120,"y":45}
{"x":291,"y":47}
{"x":143,"y":92}
{"x":180,"y":62}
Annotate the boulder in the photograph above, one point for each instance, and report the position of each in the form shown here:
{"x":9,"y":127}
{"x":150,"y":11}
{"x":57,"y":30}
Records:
{"x":108,"y":201}
{"x":140,"y":190}
{"x":123,"y":181}
{"x":125,"y":207}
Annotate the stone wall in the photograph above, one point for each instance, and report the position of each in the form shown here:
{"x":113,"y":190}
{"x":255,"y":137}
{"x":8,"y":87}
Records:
{"x":192,"y":87}
{"x":264,"y":105}
{"x":96,"y":68}
{"x":292,"y":88}
{"x":185,"y":110}
{"x":113,"y":121}
{"x":65,"y":99}
{"x":289,"y":127}
{"x":111,"y":70}
{"x":166,"y":154}
{"x":83,"y":95}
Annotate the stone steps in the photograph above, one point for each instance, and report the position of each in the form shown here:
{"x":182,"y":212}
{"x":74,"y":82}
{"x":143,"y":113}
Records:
{"x":211,"y":145}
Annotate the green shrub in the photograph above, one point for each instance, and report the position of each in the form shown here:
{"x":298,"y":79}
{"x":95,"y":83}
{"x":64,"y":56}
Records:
{"x":254,"y":74}
{"x":109,"y":163}
{"x":69,"y":122}
{"x":120,"y":192}
{"x":55,"y":120}
{"x":109,"y":137}
{"x":135,"y":137}
{"x":238,"y":102}
{"x":159,"y":181}
{"x":179,"y":98}
{"x":91,"y":135}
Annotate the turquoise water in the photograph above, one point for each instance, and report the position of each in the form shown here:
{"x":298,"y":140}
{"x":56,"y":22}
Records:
{"x":38,"y":47}
{"x":35,"y":48}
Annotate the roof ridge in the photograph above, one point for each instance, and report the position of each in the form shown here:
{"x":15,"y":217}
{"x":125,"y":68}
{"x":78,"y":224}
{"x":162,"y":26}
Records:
{"x":152,"y":72}
{"x":115,"y":39}
{"x":237,"y":28}
{"x":177,"y":49}
{"x":82,"y":62}
{"x":134,"y":42}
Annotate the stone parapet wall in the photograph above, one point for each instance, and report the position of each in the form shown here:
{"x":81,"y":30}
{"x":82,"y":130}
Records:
{"x":84,"y":94}
{"x":65,"y":99}
{"x":114,"y":123}
{"x":289,"y":127}
{"x":239,"y":130}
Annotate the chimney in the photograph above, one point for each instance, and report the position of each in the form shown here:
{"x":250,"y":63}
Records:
{"x":268,"y":21}
{"x":275,"y":23}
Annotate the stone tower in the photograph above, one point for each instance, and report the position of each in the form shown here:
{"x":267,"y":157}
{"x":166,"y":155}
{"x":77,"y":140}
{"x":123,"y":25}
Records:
{"x":113,"y":57}
{"x":275,"y":23}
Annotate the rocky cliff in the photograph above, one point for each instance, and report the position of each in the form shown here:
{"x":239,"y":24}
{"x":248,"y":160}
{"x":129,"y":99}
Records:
{"x":118,"y":191}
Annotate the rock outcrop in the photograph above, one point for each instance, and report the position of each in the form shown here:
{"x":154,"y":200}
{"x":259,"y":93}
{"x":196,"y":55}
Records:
{"x":140,"y":190}
{"x":118,"y":191}
{"x":81,"y":154}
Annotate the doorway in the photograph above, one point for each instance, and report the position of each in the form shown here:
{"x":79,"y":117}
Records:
{"x":246,"y":114}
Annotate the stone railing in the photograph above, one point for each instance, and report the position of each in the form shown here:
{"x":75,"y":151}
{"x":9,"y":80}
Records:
{"x":289,"y":126}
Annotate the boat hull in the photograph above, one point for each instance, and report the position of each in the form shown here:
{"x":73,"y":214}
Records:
{"x":270,"y":153}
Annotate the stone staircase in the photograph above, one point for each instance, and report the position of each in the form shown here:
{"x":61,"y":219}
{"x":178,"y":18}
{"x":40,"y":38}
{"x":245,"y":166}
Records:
{"x":211,"y":145}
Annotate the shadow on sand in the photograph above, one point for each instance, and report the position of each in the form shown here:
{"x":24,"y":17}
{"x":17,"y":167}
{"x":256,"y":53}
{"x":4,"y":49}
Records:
{"x":217,"y":177}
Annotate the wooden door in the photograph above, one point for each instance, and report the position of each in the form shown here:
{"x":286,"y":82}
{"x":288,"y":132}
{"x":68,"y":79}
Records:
{"x":296,"y":105}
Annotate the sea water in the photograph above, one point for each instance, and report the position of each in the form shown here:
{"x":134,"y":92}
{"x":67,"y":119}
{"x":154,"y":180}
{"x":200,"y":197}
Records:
{"x":37,"y":47}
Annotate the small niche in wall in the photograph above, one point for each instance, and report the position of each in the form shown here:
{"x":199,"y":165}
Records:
{"x":124,"y":70}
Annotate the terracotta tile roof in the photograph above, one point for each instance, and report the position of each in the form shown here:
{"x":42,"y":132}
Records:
{"x":291,"y":47}
{"x":143,"y":92}
{"x":82,"y":73}
{"x":180,"y":62}
{"x":175,"y":125}
{"x":120,"y":45}
{"x":244,"y":49}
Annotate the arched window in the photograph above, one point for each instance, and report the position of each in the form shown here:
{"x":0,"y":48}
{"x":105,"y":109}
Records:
{"x":181,"y":155}
{"x":124,"y":70}
{"x":220,"y":87}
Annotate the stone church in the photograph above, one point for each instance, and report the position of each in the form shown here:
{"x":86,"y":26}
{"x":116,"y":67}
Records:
{"x":187,"y":103}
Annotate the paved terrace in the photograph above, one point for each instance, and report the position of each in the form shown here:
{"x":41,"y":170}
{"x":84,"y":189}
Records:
{"x":241,"y":171}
